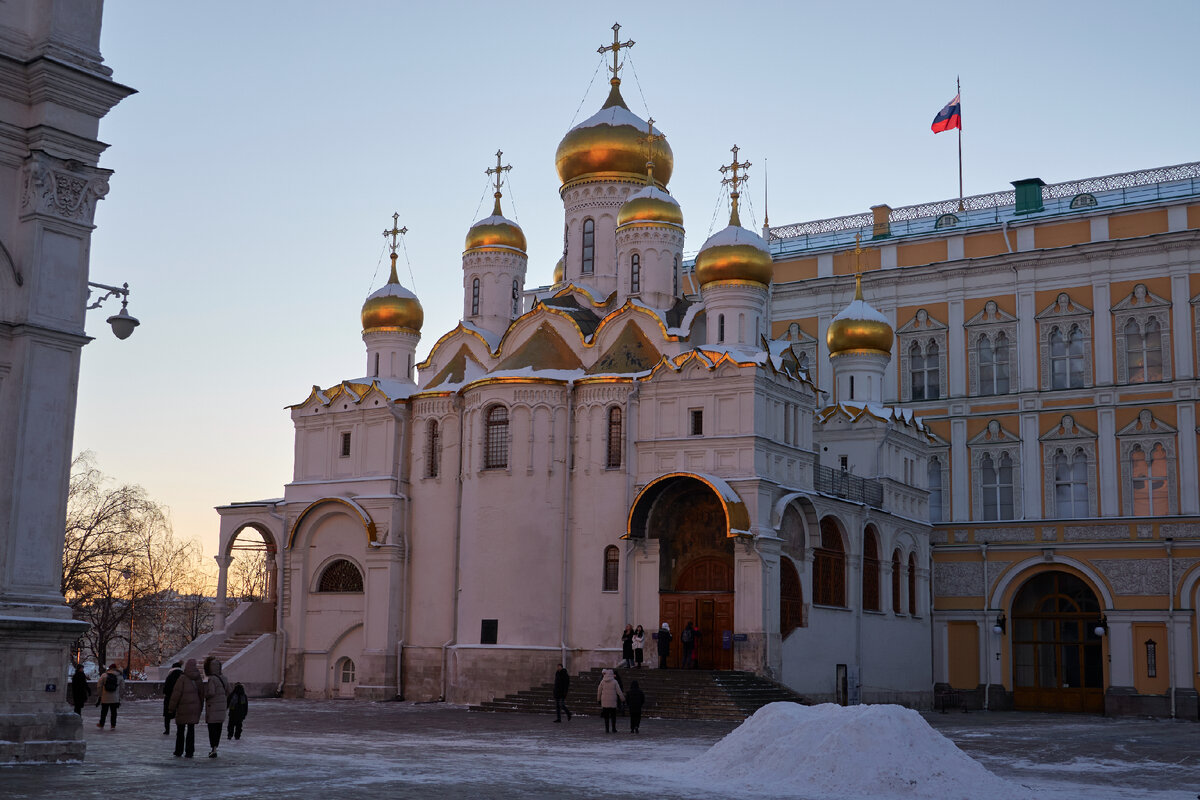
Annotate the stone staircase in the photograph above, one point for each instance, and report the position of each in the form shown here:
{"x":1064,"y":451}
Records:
{"x":234,"y":645}
{"x":670,"y":694}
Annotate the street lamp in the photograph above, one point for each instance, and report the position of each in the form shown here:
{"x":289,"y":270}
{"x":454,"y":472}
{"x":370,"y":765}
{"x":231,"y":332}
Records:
{"x":122,"y":322}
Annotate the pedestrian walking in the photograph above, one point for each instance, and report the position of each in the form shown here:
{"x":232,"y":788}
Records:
{"x":79,"y":691}
{"x":627,"y":647}
{"x":639,"y":646}
{"x":187,"y":701}
{"x":168,"y":687}
{"x":109,"y":686}
{"x":664,"y":645}
{"x":239,"y":705}
{"x":689,"y":644}
{"x":607,"y":694}
{"x":635,"y":699}
{"x":621,"y":699}
{"x":562,"y":683}
{"x":216,"y":702}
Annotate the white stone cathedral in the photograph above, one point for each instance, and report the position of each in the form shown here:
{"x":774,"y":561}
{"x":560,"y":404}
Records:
{"x":627,"y":445}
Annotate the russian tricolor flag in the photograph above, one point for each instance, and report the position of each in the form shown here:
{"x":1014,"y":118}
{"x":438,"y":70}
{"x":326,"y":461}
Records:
{"x":949,"y":117}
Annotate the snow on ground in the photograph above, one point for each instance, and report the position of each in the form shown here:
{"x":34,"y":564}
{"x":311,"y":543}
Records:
{"x":837,"y":753}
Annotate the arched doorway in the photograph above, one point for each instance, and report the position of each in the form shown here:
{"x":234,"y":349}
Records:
{"x":345,"y":677}
{"x":1057,"y":656}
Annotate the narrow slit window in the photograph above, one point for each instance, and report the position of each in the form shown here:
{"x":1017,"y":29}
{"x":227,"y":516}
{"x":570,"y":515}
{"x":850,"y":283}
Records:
{"x":346,"y":445}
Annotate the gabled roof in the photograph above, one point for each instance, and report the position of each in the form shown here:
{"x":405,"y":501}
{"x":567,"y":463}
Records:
{"x":460,"y":369}
{"x":853,"y":412}
{"x":585,"y":319}
{"x":544,"y":350}
{"x":358,"y":390}
{"x":630,"y":352}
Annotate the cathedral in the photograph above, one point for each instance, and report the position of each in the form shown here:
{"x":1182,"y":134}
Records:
{"x":973,"y":482}
{"x":627,"y":445}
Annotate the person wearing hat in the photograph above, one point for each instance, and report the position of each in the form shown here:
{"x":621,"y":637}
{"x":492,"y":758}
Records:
{"x":187,"y":701}
{"x":79,"y":691}
{"x":664,"y":645}
{"x":168,"y":687}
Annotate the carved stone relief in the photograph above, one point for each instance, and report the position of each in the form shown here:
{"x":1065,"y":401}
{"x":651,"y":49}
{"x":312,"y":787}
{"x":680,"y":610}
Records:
{"x":67,"y":189}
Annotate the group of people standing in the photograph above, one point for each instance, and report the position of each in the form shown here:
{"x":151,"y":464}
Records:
{"x":633,"y":643}
{"x":610,"y":694}
{"x":186,"y":693}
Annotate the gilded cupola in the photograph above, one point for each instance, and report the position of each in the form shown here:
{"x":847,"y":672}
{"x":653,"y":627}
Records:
{"x":610,"y":143}
{"x":859,"y":327}
{"x":496,"y":231}
{"x":393,"y":308}
{"x":559,"y":272}
{"x":734,"y":254}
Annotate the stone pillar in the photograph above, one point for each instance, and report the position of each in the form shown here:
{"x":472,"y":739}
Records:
{"x":223,"y":563}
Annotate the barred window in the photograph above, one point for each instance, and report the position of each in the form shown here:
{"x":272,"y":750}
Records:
{"x":612,"y":567}
{"x":993,"y":364}
{"x":896,"y":582}
{"x":675,"y":278}
{"x":516,"y":299}
{"x":495,"y":450}
{"x":870,"y":589}
{"x":615,"y":439}
{"x":475,"y":297}
{"x":829,"y":567}
{"x":697,"y":416}
{"x":589,"y":246}
{"x":635,"y":273}
{"x":340,"y":576}
{"x":433,"y":450}
{"x":346,"y":444}
{"x":912,"y":584}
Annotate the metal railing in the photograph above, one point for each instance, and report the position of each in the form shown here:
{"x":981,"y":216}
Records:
{"x":846,"y":485}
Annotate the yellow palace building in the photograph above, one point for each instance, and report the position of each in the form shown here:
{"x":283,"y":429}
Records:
{"x":1048,"y":336}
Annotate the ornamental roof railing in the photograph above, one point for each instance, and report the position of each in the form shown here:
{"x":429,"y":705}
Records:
{"x":995,"y":200}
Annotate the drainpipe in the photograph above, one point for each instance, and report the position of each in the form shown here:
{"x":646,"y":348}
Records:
{"x":987,"y":631}
{"x":458,"y":503}
{"x":1170,"y":618}
{"x":1007,"y":243}
{"x":568,"y":453}
{"x":279,"y":628}
{"x":405,"y":599}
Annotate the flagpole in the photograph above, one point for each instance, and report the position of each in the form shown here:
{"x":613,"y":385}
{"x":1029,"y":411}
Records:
{"x":958,"y":86}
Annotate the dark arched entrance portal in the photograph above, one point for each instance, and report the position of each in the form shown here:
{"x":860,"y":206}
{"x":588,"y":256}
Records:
{"x":1057,"y":656}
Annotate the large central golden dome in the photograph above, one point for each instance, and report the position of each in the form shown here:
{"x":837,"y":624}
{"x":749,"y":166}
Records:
{"x":610,"y":144}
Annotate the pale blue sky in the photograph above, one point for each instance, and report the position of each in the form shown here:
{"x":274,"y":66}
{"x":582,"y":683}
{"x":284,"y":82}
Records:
{"x":270,"y":143}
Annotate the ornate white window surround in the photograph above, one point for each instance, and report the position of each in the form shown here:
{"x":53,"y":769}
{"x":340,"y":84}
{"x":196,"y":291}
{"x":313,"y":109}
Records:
{"x":922,"y":330}
{"x":1141,"y":307}
{"x":1068,"y":319}
{"x":992,"y":445}
{"x":1070,"y":439}
{"x":1140,"y":437}
{"x":804,"y":347}
{"x":991,"y":322}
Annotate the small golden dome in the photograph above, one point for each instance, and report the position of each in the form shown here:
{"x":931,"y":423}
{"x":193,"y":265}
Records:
{"x":859,"y":327}
{"x":734,"y":254}
{"x":559,"y":272}
{"x":650,"y":205}
{"x":393,"y":308}
{"x":611,"y":144}
{"x":495,"y":231}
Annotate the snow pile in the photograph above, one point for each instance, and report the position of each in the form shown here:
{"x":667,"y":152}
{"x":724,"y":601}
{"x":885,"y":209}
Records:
{"x":836,"y":753}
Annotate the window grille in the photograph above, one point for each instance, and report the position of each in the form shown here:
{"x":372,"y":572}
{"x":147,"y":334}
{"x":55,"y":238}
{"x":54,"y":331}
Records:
{"x":346,"y":445}
{"x":340,"y":576}
{"x":475,"y":297}
{"x":697,"y":416}
{"x":635,"y":273}
{"x":516,"y":299}
{"x":615,"y":439}
{"x":495,"y":454}
{"x":433,"y":451}
{"x":1151,"y":658}
{"x":589,"y":246}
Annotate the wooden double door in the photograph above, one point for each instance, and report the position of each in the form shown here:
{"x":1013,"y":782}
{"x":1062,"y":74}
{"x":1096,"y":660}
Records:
{"x":711,"y":613}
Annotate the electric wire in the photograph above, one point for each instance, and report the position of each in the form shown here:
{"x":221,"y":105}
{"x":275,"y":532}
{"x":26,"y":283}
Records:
{"x":586,"y":92}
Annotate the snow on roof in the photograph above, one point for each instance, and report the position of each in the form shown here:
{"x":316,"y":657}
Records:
{"x":496,"y":219}
{"x":392,"y":290}
{"x":883,"y":752}
{"x":735,"y":234}
{"x":654,"y":193}
{"x":492,"y":339}
{"x":615,"y":115}
{"x":854,"y":410}
{"x":393,"y":389}
{"x":861,"y":309}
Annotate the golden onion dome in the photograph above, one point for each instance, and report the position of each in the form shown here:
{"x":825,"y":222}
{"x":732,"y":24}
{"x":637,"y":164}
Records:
{"x":495,"y":231}
{"x":859,"y":327}
{"x":611,"y":144}
{"x":393,"y":308}
{"x":734,"y":254}
{"x":650,"y":205}
{"x":559,"y":272}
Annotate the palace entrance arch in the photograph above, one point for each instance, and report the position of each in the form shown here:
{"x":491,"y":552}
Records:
{"x":1057,"y":656}
{"x":692,"y":516}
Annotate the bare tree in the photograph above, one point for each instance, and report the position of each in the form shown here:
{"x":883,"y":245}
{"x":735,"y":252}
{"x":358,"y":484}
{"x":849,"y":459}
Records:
{"x":248,"y":574}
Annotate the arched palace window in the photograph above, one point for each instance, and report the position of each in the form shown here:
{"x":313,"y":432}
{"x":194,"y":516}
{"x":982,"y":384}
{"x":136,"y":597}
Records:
{"x":829,"y":567}
{"x":870,"y":588}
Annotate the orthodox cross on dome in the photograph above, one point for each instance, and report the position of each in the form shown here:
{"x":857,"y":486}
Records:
{"x":734,"y":181}
{"x":616,"y":47}
{"x":395,"y":233}
{"x":498,"y":171}
{"x":649,"y":139}
{"x":858,"y":295}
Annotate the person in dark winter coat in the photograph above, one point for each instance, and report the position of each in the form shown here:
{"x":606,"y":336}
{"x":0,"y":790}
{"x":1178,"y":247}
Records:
{"x":635,"y":698}
{"x":216,"y":702}
{"x":664,"y":645}
{"x":639,"y":645}
{"x":79,"y":691}
{"x":608,"y":694}
{"x":689,"y":644}
{"x":562,"y":683}
{"x":109,"y":686}
{"x":239,"y":704}
{"x":627,"y":647}
{"x":187,"y":701}
{"x":168,"y":687}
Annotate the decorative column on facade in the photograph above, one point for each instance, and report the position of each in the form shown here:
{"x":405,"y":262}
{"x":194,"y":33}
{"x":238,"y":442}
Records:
{"x":219,"y":613}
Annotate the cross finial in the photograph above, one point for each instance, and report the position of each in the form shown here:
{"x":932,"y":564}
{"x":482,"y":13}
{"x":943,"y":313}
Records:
{"x":498,"y":171}
{"x":734,"y":181}
{"x":649,"y":139}
{"x":858,"y":295}
{"x":394,"y":234}
{"x":616,"y":48}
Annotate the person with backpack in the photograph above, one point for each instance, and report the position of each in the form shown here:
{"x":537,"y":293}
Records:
{"x":110,"y":685}
{"x":187,"y":701}
{"x":79,"y":691}
{"x":239,"y":704}
{"x":689,"y":644}
{"x":216,"y":702}
{"x":168,"y":687}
